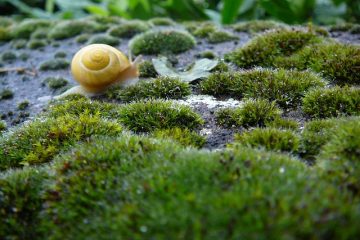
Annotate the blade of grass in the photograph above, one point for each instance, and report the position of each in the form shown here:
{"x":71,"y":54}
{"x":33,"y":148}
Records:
{"x":230,"y":10}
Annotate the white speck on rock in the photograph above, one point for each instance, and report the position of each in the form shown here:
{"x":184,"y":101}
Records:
{"x":282,"y":170}
{"x":205,"y":131}
{"x":210,"y":101}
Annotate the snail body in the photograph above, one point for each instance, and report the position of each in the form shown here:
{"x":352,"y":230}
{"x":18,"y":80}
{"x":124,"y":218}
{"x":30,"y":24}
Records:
{"x":97,"y":67}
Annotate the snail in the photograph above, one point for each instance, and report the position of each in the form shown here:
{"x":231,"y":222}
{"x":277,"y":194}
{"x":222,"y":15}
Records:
{"x":98,"y":67}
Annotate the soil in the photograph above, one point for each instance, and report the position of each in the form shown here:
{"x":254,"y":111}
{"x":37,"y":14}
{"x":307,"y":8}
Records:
{"x":28,"y":87}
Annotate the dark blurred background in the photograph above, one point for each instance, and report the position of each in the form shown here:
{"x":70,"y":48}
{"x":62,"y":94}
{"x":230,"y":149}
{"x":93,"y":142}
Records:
{"x":222,"y":11}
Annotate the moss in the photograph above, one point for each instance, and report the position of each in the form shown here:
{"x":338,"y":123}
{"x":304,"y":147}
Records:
{"x":332,"y":102}
{"x":147,"y":70}
{"x":253,"y":113}
{"x":264,"y":49}
{"x":162,"y":87}
{"x":6,"y":21}
{"x":355,"y":29}
{"x":207,"y":54}
{"x":8,"y":56}
{"x":60,"y":54}
{"x":21,"y":202}
{"x":129,"y":29}
{"x":6,"y":94}
{"x":104,"y":39}
{"x":282,"y":123}
{"x":71,"y":28}
{"x":82,"y":38}
{"x":4,"y":34}
{"x":269,"y":138}
{"x":24,"y":56}
{"x":341,"y":27}
{"x":184,"y":137}
{"x":23,"y":105}
{"x":36,"y":44}
{"x":40,"y":33}
{"x":25,"y":28}
{"x":146,"y":116}
{"x":162,"y":21}
{"x":3,"y":126}
{"x":105,"y":185}
{"x":40,"y":140}
{"x":220,"y":67}
{"x":18,"y":43}
{"x":162,"y":41}
{"x":77,"y":104}
{"x":54,"y":64}
{"x":340,"y":157}
{"x":220,"y":36}
{"x":335,"y":61}
{"x":203,"y":30}
{"x":257,"y":26}
{"x":55,"y":44}
{"x":286,"y":87}
{"x":55,"y":82}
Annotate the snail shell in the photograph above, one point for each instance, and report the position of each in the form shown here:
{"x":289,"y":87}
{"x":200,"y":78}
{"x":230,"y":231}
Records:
{"x":98,"y":66}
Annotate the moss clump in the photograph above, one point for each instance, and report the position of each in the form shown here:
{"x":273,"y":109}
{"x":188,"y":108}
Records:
{"x":104,"y":39}
{"x":129,"y":29}
{"x":21,"y":202}
{"x":6,"y":94}
{"x":202,"y":30}
{"x":207,"y":54}
{"x":221,"y":36}
{"x":282,"y":123}
{"x":117,"y":180}
{"x":162,"y":87}
{"x":162,"y":41}
{"x":146,"y":116}
{"x":340,"y":156}
{"x":6,"y":21}
{"x":18,"y":43}
{"x":23,"y":105}
{"x":270,"y":139}
{"x":264,"y":49}
{"x":162,"y":21}
{"x":60,"y":54}
{"x":337,"y":62}
{"x":3,"y":126}
{"x":40,"y":140}
{"x":253,"y":113}
{"x":184,"y":136}
{"x":40,"y":33}
{"x":24,"y":56}
{"x":286,"y":87}
{"x":76,"y":105}
{"x":4,"y":34}
{"x":147,"y":69}
{"x":27,"y":27}
{"x":332,"y":102}
{"x":71,"y":28}
{"x":55,"y":82}
{"x":8,"y":56}
{"x":54,"y":64}
{"x":341,"y":27}
{"x":36,"y":44}
{"x":82,"y":38}
{"x":220,"y":67}
{"x":257,"y":26}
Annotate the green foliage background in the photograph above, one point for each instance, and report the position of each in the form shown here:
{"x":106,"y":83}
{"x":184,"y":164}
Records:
{"x":222,"y":11}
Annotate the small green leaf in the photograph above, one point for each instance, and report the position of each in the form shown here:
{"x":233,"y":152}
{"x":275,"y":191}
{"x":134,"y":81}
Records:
{"x":201,"y":69}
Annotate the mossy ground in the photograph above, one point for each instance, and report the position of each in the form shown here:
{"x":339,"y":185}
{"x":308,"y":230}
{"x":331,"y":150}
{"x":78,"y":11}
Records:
{"x":127,"y":164}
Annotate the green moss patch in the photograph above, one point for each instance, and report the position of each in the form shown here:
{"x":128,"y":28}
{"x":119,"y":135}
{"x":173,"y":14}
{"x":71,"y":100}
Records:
{"x":252,"y":113}
{"x":264,"y":49}
{"x":6,"y":94}
{"x":220,"y":36}
{"x":104,"y":39}
{"x":162,"y":21}
{"x":162,"y":41}
{"x":36,"y":44}
{"x":286,"y":87}
{"x":25,"y":28}
{"x":3,"y":126}
{"x":269,"y":138}
{"x":40,"y":140}
{"x":71,"y":28}
{"x":162,"y":87}
{"x":147,"y":69}
{"x":55,"y":82}
{"x":332,"y":102}
{"x":54,"y":64}
{"x":146,"y":116}
{"x":8,"y":56}
{"x":23,"y":105}
{"x":182,"y":136}
{"x":190,"y":193}
{"x":129,"y":29}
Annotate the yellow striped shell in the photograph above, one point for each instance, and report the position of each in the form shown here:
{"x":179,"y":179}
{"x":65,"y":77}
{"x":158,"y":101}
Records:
{"x":97,"y":66}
